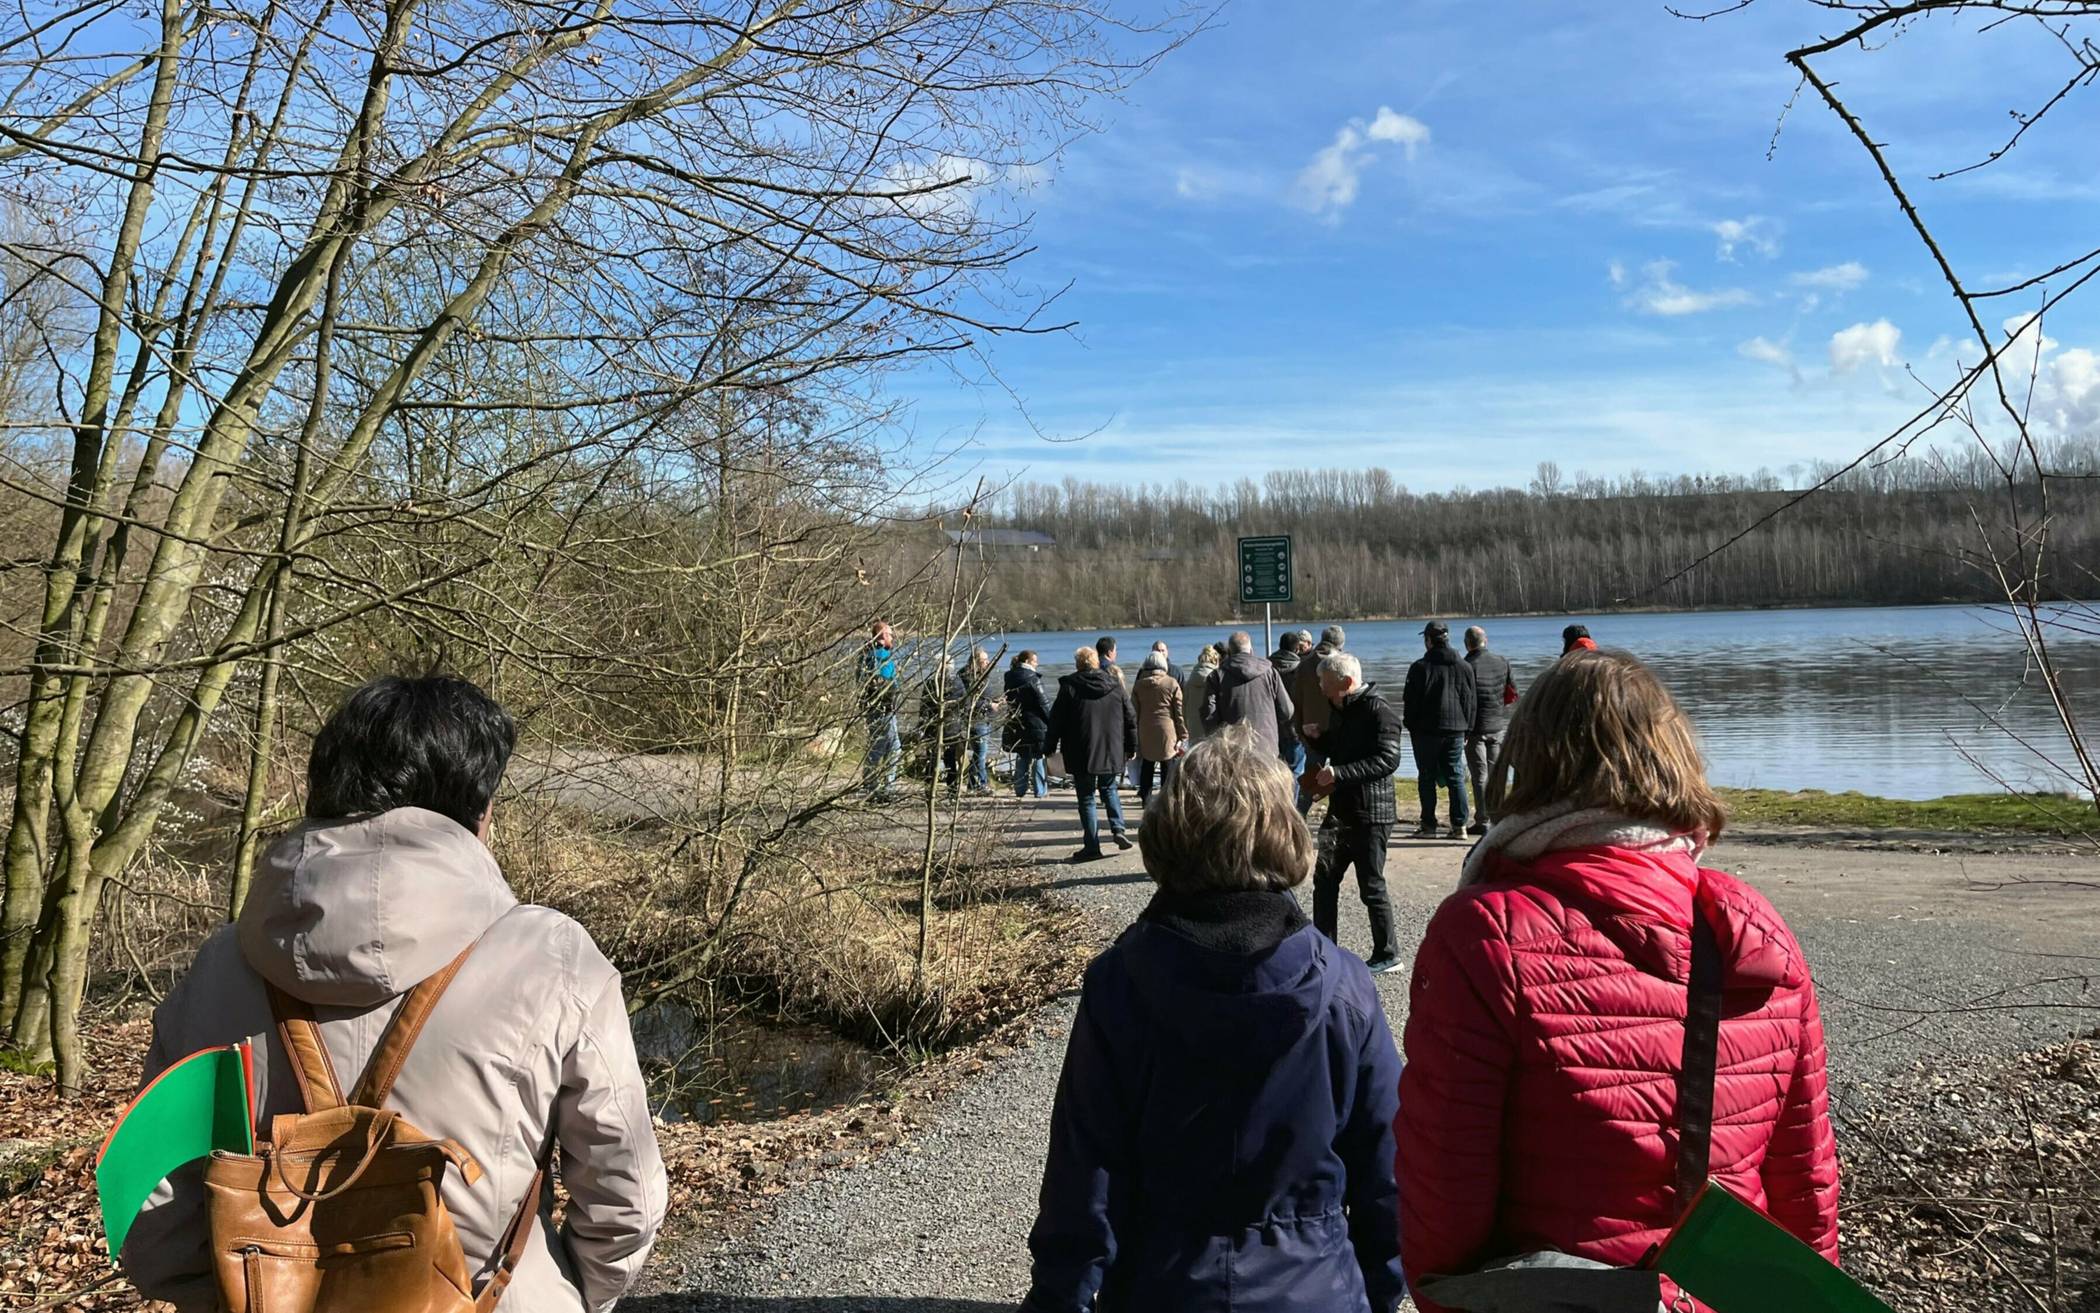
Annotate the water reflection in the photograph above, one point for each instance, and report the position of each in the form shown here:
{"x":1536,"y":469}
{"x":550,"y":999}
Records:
{"x":1885,"y":700}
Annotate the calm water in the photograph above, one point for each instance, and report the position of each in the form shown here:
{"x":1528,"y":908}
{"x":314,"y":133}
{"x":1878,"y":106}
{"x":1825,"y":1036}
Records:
{"x":1868,"y":698}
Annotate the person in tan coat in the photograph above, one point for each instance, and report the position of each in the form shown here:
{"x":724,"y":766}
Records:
{"x":1162,"y":730}
{"x":387,"y":880}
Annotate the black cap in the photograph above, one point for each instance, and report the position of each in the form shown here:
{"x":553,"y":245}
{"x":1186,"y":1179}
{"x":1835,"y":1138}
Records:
{"x":1573,"y":632}
{"x":1437,"y":629}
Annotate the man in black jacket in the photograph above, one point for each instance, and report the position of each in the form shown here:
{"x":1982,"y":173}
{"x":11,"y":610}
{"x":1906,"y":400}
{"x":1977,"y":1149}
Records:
{"x":1439,"y":705}
{"x":1362,"y":741}
{"x":1095,"y":724}
{"x":1027,"y":726}
{"x":1494,"y":690}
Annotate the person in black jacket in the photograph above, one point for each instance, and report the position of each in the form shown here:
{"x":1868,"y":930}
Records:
{"x":1095,"y":724}
{"x":1439,"y":705}
{"x":1494,"y":692}
{"x":1363,"y":750}
{"x":1027,"y":726}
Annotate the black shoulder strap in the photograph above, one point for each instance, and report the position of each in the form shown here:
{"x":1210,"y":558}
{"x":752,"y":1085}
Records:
{"x":1702,"y":1043}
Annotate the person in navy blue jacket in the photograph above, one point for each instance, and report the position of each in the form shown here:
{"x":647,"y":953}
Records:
{"x":1222,"y":1138}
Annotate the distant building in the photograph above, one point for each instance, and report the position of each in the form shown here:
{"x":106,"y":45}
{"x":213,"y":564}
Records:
{"x":1003,"y":543}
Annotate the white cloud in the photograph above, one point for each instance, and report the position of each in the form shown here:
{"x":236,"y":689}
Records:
{"x":1660,"y":294}
{"x":1025,"y":178}
{"x":1756,"y":232}
{"x":1616,"y":271}
{"x":2074,"y":379}
{"x":1864,"y":344}
{"x":1846,"y":277}
{"x":1401,"y":129}
{"x":1328,"y":183}
{"x":1766,"y":350}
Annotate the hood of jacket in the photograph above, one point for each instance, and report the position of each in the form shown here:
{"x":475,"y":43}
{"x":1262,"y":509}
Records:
{"x":1243,"y":668}
{"x":1240,"y":978}
{"x":1099,"y":682}
{"x":1642,"y":899}
{"x":350,"y":913}
{"x":1158,"y":678}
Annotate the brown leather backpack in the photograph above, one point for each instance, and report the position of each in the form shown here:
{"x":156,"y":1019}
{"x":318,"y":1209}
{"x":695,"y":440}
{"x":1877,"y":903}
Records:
{"x":339,"y":1211}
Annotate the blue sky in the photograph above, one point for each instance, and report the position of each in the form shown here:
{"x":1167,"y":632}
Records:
{"x":1456,"y":239}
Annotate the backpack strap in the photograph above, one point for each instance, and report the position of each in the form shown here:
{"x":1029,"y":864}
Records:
{"x":514,"y":1242}
{"x":1695,"y":1081}
{"x":391,"y":1052}
{"x":319,"y":1090}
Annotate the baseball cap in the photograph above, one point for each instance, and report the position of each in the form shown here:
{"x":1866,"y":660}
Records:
{"x":1437,"y":629}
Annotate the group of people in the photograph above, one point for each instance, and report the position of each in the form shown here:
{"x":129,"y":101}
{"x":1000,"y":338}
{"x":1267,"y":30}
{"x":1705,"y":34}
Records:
{"x":1235,"y":1127}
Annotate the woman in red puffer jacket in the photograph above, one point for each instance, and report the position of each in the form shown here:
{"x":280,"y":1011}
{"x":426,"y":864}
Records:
{"x":1546,"y":1022}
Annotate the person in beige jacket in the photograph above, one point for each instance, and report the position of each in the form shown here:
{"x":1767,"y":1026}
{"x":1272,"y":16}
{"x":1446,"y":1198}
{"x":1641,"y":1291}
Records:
{"x":1162,"y":730}
{"x":529,"y":1049}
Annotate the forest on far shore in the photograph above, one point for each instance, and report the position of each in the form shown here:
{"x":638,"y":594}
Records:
{"x":1899,"y":532}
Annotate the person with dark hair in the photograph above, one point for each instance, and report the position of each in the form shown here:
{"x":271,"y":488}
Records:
{"x":1027,"y":726}
{"x":1105,"y":648}
{"x":944,"y":724}
{"x":1576,"y":638}
{"x":1287,"y":657}
{"x":1310,"y":709}
{"x":1222,"y":1133}
{"x":1438,"y":705}
{"x":1095,"y":724}
{"x":1549,"y":1092}
{"x":878,"y":705}
{"x":388,"y":884}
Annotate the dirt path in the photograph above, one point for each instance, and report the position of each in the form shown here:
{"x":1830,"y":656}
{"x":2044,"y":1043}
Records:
{"x":1915,"y":954}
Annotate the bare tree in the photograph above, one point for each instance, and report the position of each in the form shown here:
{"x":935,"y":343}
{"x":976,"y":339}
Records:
{"x":380,"y":300}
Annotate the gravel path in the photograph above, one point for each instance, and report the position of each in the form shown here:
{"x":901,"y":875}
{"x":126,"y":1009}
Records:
{"x":1898,"y":940}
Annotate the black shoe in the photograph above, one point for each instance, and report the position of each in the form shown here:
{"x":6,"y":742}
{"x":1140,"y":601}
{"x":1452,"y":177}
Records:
{"x":1476,"y":828}
{"x":1428,"y":831}
{"x":1122,"y":840}
{"x":1088,"y":855}
{"x":1384,"y":963}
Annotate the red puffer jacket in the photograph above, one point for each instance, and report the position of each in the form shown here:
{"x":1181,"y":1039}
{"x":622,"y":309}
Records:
{"x":1544,"y":1035}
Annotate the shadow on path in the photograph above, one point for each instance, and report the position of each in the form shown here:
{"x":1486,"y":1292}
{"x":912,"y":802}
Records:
{"x":706,"y":1303}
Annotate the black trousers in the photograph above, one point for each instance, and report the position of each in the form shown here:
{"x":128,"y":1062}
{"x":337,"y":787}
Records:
{"x":1360,"y":844}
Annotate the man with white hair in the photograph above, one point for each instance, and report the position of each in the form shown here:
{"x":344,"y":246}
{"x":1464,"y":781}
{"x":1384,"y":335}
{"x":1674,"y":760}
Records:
{"x":1247,"y":691}
{"x":1494,"y":691}
{"x":1362,"y":741}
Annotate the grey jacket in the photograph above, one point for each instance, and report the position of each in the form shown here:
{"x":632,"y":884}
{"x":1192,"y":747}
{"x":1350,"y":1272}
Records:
{"x":1248,"y":690}
{"x":529,"y":1046}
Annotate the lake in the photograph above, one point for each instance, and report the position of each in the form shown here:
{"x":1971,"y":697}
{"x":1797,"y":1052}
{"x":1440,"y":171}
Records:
{"x":1885,"y":700}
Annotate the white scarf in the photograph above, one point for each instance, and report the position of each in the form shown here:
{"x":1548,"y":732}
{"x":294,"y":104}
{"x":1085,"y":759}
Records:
{"x":1530,"y":835}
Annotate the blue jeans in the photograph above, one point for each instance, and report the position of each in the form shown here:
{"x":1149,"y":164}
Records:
{"x":981,"y":758}
{"x":1441,"y":759}
{"x":879,"y":773}
{"x":1031,"y":774}
{"x":1090,"y":788}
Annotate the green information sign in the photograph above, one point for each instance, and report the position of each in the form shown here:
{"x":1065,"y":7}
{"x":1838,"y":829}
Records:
{"x":1265,"y":569}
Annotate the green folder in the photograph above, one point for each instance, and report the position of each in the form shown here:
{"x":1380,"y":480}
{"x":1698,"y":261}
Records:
{"x":1734,"y":1259}
{"x":202,"y":1103}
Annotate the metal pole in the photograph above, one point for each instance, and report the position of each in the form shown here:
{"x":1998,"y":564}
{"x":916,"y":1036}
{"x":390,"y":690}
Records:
{"x":1268,"y":626}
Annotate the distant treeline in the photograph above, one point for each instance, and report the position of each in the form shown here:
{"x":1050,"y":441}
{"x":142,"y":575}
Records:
{"x":1900,"y":532}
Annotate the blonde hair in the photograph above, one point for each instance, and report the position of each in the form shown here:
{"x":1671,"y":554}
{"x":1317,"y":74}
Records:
{"x":1087,"y":658}
{"x":1598,"y":729}
{"x":1226,"y":821}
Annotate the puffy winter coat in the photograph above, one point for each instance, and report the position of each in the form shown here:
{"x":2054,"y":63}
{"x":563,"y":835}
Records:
{"x":1363,"y":744}
{"x":1193,"y":690}
{"x":1494,"y":688}
{"x":1028,"y":710}
{"x":1544,"y":1037}
{"x":1247,"y":690}
{"x":1157,"y":697}
{"x":1092,"y":723}
{"x":1439,"y":696}
{"x":529,"y":1046}
{"x":1221,"y":1139}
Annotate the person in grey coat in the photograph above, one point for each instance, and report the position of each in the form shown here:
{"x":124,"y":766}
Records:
{"x":386,"y":883}
{"x":1246,"y":690}
{"x":1494,"y":693}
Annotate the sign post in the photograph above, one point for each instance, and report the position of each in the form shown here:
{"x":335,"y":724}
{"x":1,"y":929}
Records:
{"x":1265,"y":577}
